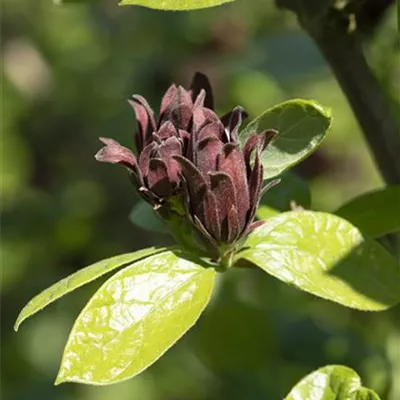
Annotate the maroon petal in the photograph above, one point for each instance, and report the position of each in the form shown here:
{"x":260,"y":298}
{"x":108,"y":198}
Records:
{"x":231,"y":162}
{"x":256,"y":179}
{"x":225,"y":194}
{"x":226,"y":118}
{"x":196,"y":182}
{"x":167,"y":130}
{"x":158,"y":179}
{"x":181,"y":117}
{"x":203,"y":116}
{"x":209,"y":212}
{"x":255,"y":182}
{"x":114,"y":153}
{"x":269,"y":186}
{"x":206,"y":154}
{"x":235,"y":120}
{"x":199,"y":82}
{"x":211,"y":243}
{"x":144,"y":158}
{"x":233,"y":225}
{"x":170,"y":147}
{"x":212,"y":129}
{"x":256,"y":141}
{"x":203,"y":203}
{"x":168,"y":99}
{"x":255,"y":225}
{"x":145,"y":118}
{"x":199,"y":101}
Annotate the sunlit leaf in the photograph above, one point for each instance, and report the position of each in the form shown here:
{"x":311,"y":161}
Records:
{"x":137,"y":315}
{"x":333,"y":382}
{"x":175,"y":4}
{"x":325,"y":255}
{"x":143,"y":216}
{"x":375,"y":213}
{"x":302,"y":125}
{"x":78,"y":279}
{"x":266,"y":212}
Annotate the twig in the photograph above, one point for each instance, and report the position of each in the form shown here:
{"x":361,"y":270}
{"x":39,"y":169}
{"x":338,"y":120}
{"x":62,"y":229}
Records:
{"x":329,"y":27}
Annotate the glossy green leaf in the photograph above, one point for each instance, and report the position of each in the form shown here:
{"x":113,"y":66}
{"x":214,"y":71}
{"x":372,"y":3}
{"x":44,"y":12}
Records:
{"x":333,"y":382}
{"x":78,"y":279}
{"x":302,"y":125}
{"x":143,"y":216}
{"x":376,"y":213}
{"x":325,"y":255}
{"x":137,"y":315}
{"x":266,"y":212}
{"x":178,"y":5}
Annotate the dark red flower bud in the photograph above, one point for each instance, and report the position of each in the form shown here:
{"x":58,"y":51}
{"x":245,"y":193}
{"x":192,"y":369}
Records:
{"x":154,"y":170}
{"x":192,"y":154}
{"x":223,"y":183}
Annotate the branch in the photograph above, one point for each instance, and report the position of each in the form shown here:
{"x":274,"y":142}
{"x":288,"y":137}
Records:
{"x":329,"y":27}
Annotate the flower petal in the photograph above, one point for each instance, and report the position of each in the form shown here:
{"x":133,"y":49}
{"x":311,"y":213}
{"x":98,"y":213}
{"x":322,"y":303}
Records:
{"x":255,"y":225}
{"x":225,"y":194}
{"x":210,"y":215}
{"x":256,"y":141}
{"x":167,"y":130}
{"x":181,"y":117}
{"x":195,"y":180}
{"x":233,"y":225}
{"x":199,"y":101}
{"x":235,"y":120}
{"x":206,"y":154}
{"x":144,"y":158}
{"x":269,"y":186}
{"x":231,"y":161}
{"x":203,"y":116}
{"x":145,"y":119}
{"x":170,"y":147}
{"x":255,"y":183}
{"x":114,"y":153}
{"x":225,"y":119}
{"x":199,"y":82}
{"x":212,"y":129}
{"x":158,"y":179}
{"x":168,"y":99}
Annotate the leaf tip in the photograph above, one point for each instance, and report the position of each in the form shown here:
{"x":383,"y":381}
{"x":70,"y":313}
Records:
{"x":18,"y":322}
{"x":60,"y":378}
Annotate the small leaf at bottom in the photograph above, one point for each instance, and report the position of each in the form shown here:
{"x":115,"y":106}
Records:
{"x":137,"y":315}
{"x":333,"y":382}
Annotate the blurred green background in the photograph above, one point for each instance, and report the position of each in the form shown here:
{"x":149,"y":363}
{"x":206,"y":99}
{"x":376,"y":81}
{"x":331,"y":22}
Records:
{"x":67,"y":72}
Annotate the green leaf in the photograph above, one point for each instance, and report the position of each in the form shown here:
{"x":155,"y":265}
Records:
{"x":333,"y":382}
{"x":143,"y":216}
{"x":376,"y":213}
{"x":266,"y":212}
{"x":78,"y":279}
{"x":302,"y":125}
{"x":325,"y":255}
{"x":134,"y":318}
{"x":178,"y":5}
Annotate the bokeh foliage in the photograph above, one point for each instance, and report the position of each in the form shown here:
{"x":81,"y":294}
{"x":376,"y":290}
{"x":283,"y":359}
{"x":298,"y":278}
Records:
{"x":67,"y":71}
